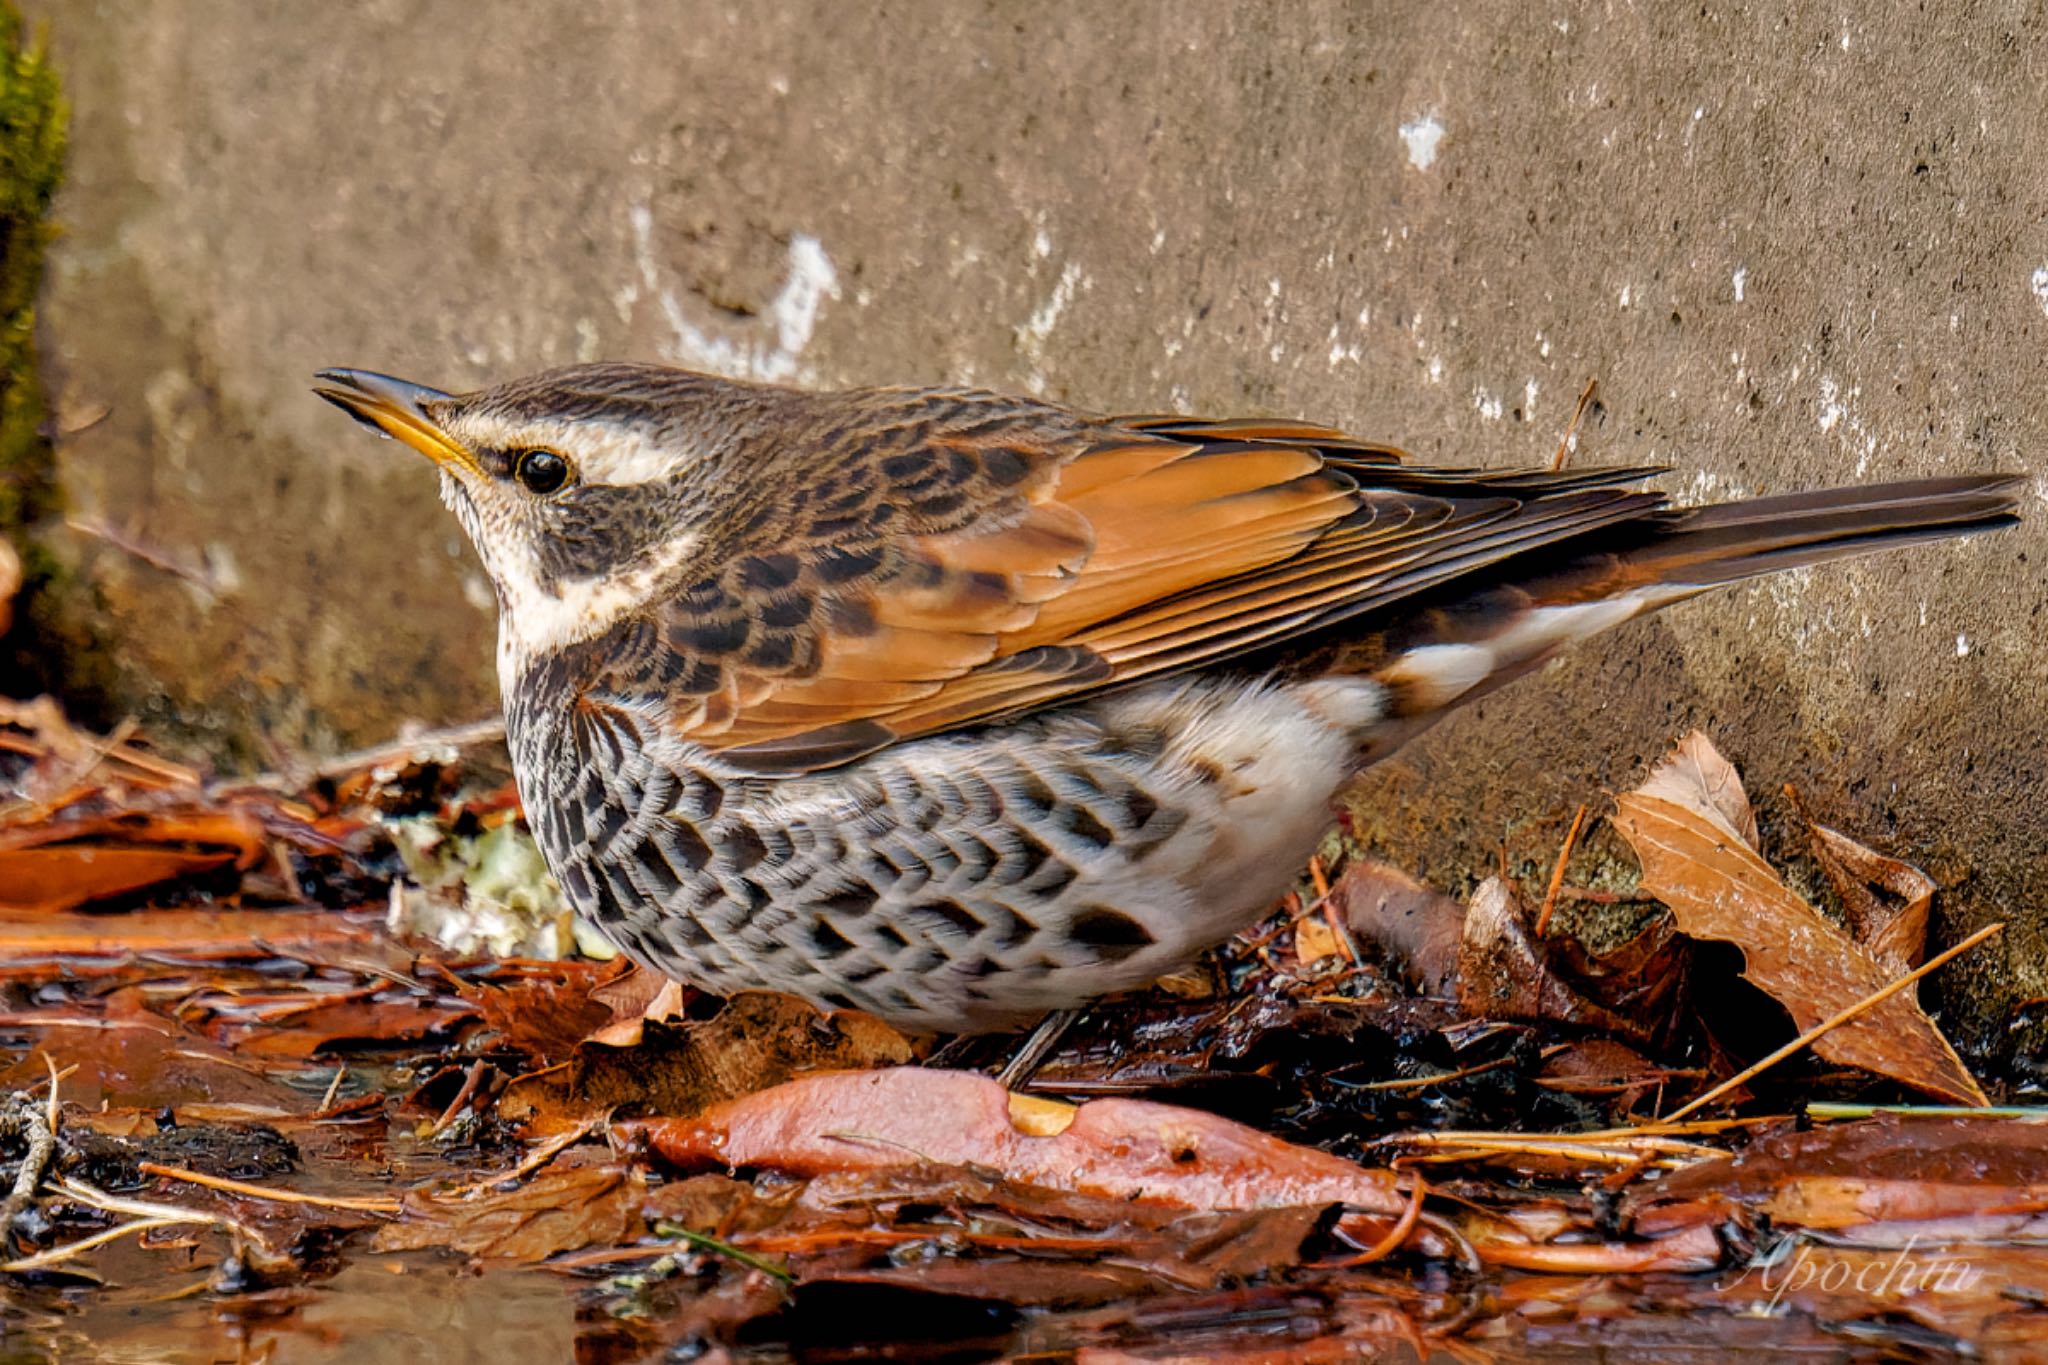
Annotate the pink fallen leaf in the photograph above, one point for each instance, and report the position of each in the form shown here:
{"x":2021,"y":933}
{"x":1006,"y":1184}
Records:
{"x":1112,"y":1148}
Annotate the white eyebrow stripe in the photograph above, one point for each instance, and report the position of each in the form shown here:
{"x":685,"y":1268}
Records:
{"x":619,"y":456}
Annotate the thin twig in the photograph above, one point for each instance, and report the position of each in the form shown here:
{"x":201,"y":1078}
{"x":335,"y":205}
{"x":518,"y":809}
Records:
{"x":1419,"y":1082}
{"x":77,"y":1190}
{"x":539,"y":1157}
{"x":333,"y":1089}
{"x":1834,"y":1021}
{"x":54,"y":1106}
{"x":462,"y":1097}
{"x":1036,"y":1049}
{"x":1338,"y":931}
{"x":27,"y":1120}
{"x":1571,"y":428}
{"x":1564,"y":855}
{"x":367,"y":1204}
{"x":402,"y":750}
{"x":1396,"y":1235}
{"x":155,"y":558}
{"x":146,"y":1217}
{"x":706,"y":1242}
{"x":1828,"y":1109}
{"x":42,"y":1260}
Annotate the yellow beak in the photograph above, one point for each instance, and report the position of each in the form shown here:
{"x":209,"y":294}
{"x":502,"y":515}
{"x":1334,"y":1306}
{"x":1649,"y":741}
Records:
{"x":394,"y":408}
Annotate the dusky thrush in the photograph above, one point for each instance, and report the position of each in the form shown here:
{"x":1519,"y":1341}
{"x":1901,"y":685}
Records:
{"x":961,"y":708}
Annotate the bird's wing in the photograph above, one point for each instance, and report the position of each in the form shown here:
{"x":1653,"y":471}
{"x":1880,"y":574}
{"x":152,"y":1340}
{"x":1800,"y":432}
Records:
{"x":1028,"y":569}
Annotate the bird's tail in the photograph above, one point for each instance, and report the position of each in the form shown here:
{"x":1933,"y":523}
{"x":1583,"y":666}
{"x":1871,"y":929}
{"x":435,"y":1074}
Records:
{"x":1475,"y":635}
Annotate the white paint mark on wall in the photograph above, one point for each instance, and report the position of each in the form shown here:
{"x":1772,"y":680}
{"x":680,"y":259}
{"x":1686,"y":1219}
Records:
{"x":1832,"y":409}
{"x":1627,"y":295}
{"x":1837,"y":409}
{"x":2039,"y":285}
{"x":1962,"y":646}
{"x":1339,"y":351}
{"x":1031,"y":336}
{"x":793,"y":312}
{"x":1740,"y":281}
{"x":1047,"y":315}
{"x":1422,"y":137}
{"x":1488,"y":404}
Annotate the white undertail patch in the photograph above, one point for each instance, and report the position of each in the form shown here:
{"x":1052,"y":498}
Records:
{"x":1437,"y":675}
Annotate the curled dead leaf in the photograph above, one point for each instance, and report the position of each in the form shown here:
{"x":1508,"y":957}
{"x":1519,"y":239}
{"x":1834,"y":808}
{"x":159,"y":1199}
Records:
{"x":1506,"y":972}
{"x":1682,"y":823}
{"x":1416,"y":928}
{"x":1893,"y":930}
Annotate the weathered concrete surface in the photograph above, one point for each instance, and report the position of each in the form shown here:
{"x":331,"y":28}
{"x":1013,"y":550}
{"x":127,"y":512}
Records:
{"x":1793,"y":250}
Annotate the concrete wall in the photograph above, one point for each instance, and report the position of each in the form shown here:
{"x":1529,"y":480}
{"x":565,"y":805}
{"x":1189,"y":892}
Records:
{"x":1793,"y":250}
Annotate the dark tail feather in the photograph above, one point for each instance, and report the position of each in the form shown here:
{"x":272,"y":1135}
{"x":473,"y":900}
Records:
{"x":1472,"y":636}
{"x":1707,"y":546}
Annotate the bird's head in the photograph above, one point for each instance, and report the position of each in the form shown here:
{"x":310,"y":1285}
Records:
{"x":583,"y":489}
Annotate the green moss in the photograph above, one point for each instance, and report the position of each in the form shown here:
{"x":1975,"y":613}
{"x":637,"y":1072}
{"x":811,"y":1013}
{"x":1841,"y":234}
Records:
{"x":32,"y":126}
{"x":37,"y":654}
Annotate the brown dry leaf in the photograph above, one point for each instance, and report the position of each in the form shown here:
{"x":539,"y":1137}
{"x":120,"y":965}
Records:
{"x":756,"y":1041}
{"x":1315,"y":940}
{"x":1696,"y":773}
{"x":646,"y":997}
{"x":29,"y":940}
{"x":1702,"y":866}
{"x":547,"y":1008}
{"x":1417,"y":928}
{"x":563,"y":1208}
{"x":1981,"y":1179}
{"x":1119,"y":1149}
{"x":48,"y":880}
{"x":352,"y":1022}
{"x":1505,"y":972}
{"x":1893,"y":933}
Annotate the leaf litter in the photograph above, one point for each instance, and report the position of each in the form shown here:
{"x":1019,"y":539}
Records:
{"x":273,"y":1062}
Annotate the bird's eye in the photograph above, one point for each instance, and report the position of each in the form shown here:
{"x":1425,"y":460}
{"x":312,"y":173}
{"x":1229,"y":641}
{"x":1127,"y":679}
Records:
{"x":541,"y":471}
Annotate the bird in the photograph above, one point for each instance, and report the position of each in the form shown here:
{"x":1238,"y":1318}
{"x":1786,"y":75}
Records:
{"x":963,"y":709}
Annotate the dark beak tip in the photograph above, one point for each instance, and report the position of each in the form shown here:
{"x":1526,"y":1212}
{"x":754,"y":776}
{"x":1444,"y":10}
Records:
{"x":356,"y":391}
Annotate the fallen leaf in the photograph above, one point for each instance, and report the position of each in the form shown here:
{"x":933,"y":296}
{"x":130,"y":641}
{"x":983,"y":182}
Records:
{"x":1894,"y":933}
{"x":1315,"y":940}
{"x":545,"y":1008}
{"x":353,"y":1022}
{"x":756,"y":1041}
{"x":1121,"y":1149}
{"x":1695,"y":772}
{"x":45,"y":880}
{"x":1702,"y":866}
{"x":1417,"y":929}
{"x":1506,"y":972}
{"x":29,"y":938}
{"x":1869,"y":1181}
{"x":563,"y":1208}
{"x":648,"y":999}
